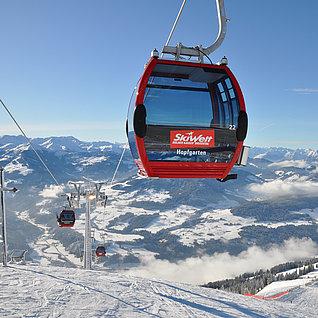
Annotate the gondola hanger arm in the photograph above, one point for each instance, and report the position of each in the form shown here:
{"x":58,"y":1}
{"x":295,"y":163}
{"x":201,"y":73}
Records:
{"x":199,"y":51}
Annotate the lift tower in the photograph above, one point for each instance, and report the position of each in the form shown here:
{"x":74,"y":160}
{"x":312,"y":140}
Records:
{"x":91,"y":195}
{"x":3,"y":189}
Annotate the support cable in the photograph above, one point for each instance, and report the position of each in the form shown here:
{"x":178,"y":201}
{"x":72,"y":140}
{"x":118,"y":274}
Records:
{"x":29,"y":142}
{"x":119,"y":162}
{"x":175,"y":24}
{"x":181,"y":50}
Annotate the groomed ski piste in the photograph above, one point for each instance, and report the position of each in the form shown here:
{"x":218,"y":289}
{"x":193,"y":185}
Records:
{"x":38,"y":291}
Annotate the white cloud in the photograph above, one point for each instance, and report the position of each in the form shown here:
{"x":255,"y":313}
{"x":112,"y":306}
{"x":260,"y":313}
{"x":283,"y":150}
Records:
{"x":290,"y":163}
{"x":52,"y":191}
{"x":198,"y":270}
{"x":304,"y":90}
{"x":296,"y":186}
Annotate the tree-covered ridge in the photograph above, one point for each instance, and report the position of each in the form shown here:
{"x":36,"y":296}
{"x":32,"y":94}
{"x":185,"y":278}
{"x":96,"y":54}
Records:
{"x":251,"y":283}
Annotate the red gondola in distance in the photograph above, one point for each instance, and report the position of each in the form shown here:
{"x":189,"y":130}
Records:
{"x":66,"y":218}
{"x":186,"y":120}
{"x":100,"y":251}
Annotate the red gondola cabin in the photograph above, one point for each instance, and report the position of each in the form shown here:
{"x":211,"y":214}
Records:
{"x":66,"y":218}
{"x":186,"y":120}
{"x":100,"y":251}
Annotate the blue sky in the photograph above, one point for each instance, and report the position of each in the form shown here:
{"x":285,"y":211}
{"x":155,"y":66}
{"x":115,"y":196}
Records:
{"x":69,"y":67}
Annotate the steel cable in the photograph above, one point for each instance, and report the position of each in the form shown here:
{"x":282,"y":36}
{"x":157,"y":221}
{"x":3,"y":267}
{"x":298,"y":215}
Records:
{"x":29,"y":142}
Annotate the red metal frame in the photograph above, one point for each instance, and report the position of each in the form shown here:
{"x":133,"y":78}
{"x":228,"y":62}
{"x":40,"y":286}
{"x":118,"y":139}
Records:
{"x":100,"y":254}
{"x":163,"y":169}
{"x":66,"y":225}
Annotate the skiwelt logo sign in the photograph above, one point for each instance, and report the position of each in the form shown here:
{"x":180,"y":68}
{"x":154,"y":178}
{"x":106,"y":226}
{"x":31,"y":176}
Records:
{"x":192,"y":138}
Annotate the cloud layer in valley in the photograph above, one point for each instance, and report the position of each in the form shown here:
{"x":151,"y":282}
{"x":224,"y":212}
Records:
{"x":295,"y":186}
{"x":290,"y":163}
{"x":198,"y":270}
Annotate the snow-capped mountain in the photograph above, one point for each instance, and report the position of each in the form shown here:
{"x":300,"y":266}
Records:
{"x":274,"y":199}
{"x":276,"y":154}
{"x":67,"y":158}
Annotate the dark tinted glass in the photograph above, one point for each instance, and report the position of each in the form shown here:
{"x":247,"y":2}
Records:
{"x":68,"y":215}
{"x":178,"y":107}
{"x":130,"y":128}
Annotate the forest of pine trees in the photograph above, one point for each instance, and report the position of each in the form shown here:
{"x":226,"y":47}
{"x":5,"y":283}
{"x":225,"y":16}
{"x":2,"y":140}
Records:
{"x":251,"y":283}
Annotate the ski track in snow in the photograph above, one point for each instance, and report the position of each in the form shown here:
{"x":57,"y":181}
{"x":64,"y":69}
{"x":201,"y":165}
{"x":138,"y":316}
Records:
{"x":304,"y":297}
{"x":38,"y":291}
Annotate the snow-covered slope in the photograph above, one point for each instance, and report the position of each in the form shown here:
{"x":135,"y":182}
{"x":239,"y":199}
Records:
{"x":304,"y":296}
{"x":34,"y":291}
{"x":289,"y":285}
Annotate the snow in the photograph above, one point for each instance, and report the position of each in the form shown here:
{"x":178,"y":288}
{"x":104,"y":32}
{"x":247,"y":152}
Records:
{"x":4,"y":158}
{"x":118,"y":237}
{"x":311,"y":153}
{"x":47,"y":144}
{"x":311,"y":212}
{"x":279,"y":173}
{"x":293,"y":270}
{"x":99,"y":231}
{"x":225,"y":226}
{"x":44,"y":211}
{"x":281,"y":286}
{"x":39,"y":291}
{"x":288,"y":285}
{"x":21,"y":148}
{"x":304,"y":296}
{"x":171,"y":218}
{"x":47,"y":249}
{"x":5,"y":146}
{"x":120,"y":227}
{"x":92,"y":160}
{"x":279,"y":224}
{"x":15,"y":166}
{"x":182,"y":221}
{"x":43,"y":202}
{"x":260,"y":156}
{"x":103,"y":148}
{"x":154,"y":196}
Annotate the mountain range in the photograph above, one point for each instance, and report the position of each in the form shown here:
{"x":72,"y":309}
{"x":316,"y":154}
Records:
{"x":274,"y":199}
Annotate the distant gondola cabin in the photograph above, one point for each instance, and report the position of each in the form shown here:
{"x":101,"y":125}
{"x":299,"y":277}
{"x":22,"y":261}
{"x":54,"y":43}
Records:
{"x":66,"y":218}
{"x":100,"y":251}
